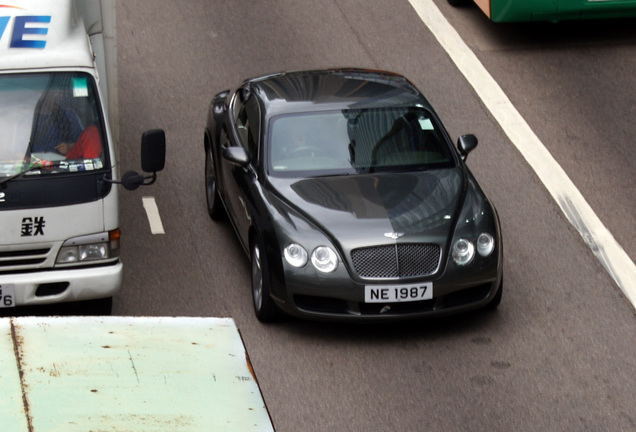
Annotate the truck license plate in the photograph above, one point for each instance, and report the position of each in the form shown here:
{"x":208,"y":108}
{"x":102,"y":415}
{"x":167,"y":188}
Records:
{"x":398,"y":293}
{"x":7,"y":296}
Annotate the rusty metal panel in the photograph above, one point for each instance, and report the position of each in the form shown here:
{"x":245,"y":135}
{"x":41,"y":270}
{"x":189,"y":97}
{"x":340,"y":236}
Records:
{"x":136,"y":374}
{"x":12,"y":415}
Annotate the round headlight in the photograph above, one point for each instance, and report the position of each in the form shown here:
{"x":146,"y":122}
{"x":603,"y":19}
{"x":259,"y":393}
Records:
{"x":485,"y":244}
{"x":68,"y":254}
{"x":295,"y":255}
{"x":324,"y":259}
{"x":463,"y":252}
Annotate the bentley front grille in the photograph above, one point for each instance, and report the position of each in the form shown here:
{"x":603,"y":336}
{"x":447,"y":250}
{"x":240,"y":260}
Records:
{"x":396,"y":261}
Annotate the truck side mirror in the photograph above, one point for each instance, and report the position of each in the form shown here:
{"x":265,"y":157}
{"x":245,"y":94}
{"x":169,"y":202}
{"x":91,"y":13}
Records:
{"x":153,"y":150}
{"x":131,"y":180}
{"x":153,"y":159}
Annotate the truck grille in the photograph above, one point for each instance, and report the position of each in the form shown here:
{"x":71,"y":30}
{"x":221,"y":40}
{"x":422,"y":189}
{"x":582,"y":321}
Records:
{"x":23,"y":258}
{"x":396,"y":261}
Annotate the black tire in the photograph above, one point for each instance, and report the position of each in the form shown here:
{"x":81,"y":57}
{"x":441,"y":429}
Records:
{"x":264,"y":307}
{"x":494,"y":303}
{"x":212,"y":197}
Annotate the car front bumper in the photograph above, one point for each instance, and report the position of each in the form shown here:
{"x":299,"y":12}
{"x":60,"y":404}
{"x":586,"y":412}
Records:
{"x":341,"y":298}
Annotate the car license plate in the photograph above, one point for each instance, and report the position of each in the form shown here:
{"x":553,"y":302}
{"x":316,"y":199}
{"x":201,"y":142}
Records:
{"x":7,"y":296}
{"x":398,"y":293}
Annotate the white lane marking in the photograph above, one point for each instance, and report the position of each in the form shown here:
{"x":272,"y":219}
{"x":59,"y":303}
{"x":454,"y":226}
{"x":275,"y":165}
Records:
{"x":611,"y":254}
{"x":156,"y":227}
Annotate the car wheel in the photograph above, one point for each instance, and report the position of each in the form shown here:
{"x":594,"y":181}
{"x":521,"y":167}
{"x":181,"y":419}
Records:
{"x":264,"y":307}
{"x":215,"y":206}
{"x":497,"y":298}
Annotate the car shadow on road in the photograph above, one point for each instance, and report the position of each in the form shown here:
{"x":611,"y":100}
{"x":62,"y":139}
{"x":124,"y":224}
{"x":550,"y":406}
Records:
{"x":479,"y":321}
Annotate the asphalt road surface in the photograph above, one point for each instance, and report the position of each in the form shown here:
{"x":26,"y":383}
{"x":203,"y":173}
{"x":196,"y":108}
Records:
{"x":557,"y":355}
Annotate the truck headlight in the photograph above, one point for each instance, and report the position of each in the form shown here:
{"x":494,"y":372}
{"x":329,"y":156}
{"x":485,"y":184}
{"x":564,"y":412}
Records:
{"x":93,"y":247}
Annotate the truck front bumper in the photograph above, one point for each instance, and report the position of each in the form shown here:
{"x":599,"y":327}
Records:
{"x":59,"y":286}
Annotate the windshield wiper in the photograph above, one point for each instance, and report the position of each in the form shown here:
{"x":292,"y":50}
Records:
{"x":55,"y":164}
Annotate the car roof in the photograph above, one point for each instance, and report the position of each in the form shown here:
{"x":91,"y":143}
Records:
{"x":317,"y":90}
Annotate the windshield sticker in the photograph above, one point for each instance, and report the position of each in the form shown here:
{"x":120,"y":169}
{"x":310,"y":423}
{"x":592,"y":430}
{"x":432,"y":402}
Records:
{"x":80,"y":87}
{"x":426,"y":124}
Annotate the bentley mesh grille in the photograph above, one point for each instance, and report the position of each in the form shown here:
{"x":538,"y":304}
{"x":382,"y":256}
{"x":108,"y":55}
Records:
{"x":396,"y":261}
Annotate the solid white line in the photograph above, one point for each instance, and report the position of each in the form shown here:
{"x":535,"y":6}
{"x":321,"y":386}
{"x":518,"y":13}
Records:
{"x":156,"y":227}
{"x":611,"y":255}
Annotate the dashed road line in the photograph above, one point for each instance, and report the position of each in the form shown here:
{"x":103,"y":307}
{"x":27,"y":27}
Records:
{"x":152,"y":211}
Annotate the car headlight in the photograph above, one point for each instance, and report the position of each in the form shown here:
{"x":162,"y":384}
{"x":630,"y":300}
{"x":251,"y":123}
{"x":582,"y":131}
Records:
{"x":463,"y":252}
{"x":295,"y":255}
{"x":324,"y":259}
{"x":94,"y":247}
{"x":485,"y":244}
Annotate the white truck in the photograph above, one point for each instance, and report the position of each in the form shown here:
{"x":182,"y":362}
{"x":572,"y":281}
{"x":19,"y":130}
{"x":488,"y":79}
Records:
{"x":59,"y":226}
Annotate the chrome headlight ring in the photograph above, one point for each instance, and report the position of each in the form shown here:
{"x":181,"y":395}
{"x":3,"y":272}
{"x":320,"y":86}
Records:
{"x":295,"y":255}
{"x":323,"y":258}
{"x":463,"y":250}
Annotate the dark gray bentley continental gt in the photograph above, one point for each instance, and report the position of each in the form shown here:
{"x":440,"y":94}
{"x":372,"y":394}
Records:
{"x":350,"y":199}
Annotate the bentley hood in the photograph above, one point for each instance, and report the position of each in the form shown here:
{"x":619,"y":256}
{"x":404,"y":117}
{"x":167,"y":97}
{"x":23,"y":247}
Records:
{"x":411,"y":206}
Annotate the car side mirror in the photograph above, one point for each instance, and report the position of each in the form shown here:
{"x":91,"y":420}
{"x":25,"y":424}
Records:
{"x":153,"y":159}
{"x":236,"y":155}
{"x":466,"y":144}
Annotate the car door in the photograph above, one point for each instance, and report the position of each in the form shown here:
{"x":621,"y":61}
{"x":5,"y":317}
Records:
{"x":243,"y":132}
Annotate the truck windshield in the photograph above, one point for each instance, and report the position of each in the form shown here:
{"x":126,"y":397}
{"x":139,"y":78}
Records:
{"x":50,"y":123}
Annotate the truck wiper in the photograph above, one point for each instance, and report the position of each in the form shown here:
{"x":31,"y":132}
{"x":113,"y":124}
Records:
{"x":32,"y":168}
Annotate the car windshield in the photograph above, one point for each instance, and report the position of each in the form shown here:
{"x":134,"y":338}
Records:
{"x":356,"y":141}
{"x":49,"y":121}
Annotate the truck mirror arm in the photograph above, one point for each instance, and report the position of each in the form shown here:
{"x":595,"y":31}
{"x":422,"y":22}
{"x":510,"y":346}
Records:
{"x":152,"y":178}
{"x":131,"y":180}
